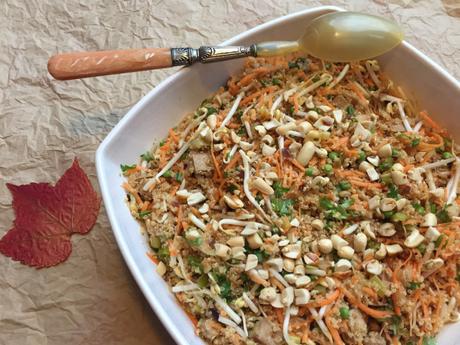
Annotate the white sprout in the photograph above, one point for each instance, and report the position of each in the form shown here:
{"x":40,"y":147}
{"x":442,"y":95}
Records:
{"x":250,"y":303}
{"x":230,"y":221}
{"x":389,"y":98}
{"x":402,"y":113}
{"x":372,"y":74}
{"x":418,"y":126}
{"x":341,"y":75}
{"x":287,"y":317}
{"x":184,"y":287}
{"x":246,"y":178}
{"x":232,"y":111}
{"x":192,"y":125}
{"x":197,"y":222}
{"x":232,"y":324}
{"x":430,"y":180}
{"x":276,"y":104}
{"x":452,"y":195}
{"x":247,"y":126}
{"x":245,"y":328}
{"x":230,"y":155}
{"x":351,"y":229}
{"x":437,"y":164}
{"x":315,"y":85}
{"x":278,"y":277}
{"x":321,"y":324}
{"x":173,"y":160}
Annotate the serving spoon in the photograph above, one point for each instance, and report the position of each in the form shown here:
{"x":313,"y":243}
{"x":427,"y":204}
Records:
{"x":336,"y":37}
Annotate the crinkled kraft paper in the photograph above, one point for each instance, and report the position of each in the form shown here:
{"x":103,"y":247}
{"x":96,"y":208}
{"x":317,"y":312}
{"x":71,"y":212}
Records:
{"x":44,"y":124}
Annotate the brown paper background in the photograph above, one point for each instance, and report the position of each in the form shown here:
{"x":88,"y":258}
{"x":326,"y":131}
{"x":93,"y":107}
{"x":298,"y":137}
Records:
{"x":44,"y":124}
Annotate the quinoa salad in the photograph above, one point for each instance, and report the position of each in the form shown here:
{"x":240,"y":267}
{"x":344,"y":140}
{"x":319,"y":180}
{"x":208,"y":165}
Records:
{"x":305,"y":203}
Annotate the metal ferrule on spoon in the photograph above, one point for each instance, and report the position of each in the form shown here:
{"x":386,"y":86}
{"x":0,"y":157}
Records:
{"x":339,"y":37}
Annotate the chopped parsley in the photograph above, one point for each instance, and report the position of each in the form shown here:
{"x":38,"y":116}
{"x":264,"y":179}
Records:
{"x":179,"y":177}
{"x":147,"y":156}
{"x":343,"y":185}
{"x":231,"y":188}
{"x":335,"y":212}
{"x":393,"y":192}
{"x":443,"y":215}
{"x":211,"y":110}
{"x":124,"y":167}
{"x":418,"y":208}
{"x":163,"y":253}
{"x":224,"y":285}
{"x":143,"y":214}
{"x":415,"y":142}
{"x":350,"y":110}
{"x":276,"y":81}
{"x":195,"y":263}
{"x":282,"y":207}
{"x":413,"y":285}
{"x":167,"y":173}
{"x":386,"y":164}
{"x":279,"y":189}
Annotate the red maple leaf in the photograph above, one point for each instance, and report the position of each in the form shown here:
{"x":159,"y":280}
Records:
{"x":47,"y":216}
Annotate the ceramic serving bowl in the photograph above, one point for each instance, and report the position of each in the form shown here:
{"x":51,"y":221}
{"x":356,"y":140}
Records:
{"x":162,"y":108}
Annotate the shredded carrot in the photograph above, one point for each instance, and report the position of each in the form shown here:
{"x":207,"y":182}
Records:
{"x":132,"y":191}
{"x":367,"y":185}
{"x":256,"y":94}
{"x":430,"y":122}
{"x":377,"y":314}
{"x":295,"y":100}
{"x":233,"y":162}
{"x":192,"y":318}
{"x":334,"y":332}
{"x":145,"y":205}
{"x":173,"y":135}
{"x":328,"y":300}
{"x":153,"y":258}
{"x":279,"y":315}
{"x":179,"y":219}
{"x":216,"y":165}
{"x":299,"y":166}
{"x":306,"y":333}
{"x":370,"y":292}
{"x":358,"y":92}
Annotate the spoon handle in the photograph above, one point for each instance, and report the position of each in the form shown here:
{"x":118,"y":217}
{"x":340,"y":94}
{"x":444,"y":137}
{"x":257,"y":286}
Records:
{"x":91,"y":64}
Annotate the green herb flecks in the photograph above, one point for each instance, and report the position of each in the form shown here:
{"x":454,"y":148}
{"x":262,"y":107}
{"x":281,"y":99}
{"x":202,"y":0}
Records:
{"x":125,"y":167}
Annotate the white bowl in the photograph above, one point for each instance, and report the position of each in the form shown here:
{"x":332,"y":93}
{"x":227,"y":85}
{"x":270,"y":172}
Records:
{"x":163,"y":108}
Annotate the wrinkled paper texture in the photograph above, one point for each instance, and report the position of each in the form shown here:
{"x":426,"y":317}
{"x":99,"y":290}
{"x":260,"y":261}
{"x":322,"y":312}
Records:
{"x":44,"y":124}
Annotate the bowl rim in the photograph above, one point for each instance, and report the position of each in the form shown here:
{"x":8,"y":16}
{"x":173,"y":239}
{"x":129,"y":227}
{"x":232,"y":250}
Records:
{"x":154,"y":302}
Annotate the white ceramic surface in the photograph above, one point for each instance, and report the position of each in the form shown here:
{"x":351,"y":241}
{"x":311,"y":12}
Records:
{"x":163,"y":108}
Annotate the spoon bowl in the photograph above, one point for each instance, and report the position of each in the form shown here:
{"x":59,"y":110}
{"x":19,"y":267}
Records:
{"x":350,"y":36}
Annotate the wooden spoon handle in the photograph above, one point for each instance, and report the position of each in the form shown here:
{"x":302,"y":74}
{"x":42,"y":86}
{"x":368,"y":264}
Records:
{"x":91,"y":64}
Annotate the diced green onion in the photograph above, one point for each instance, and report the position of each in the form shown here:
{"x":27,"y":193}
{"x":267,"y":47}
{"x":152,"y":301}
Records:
{"x":447,"y":155}
{"x":327,"y":168}
{"x":399,"y":217}
{"x":344,"y":185}
{"x":309,"y":171}
{"x":344,"y":312}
